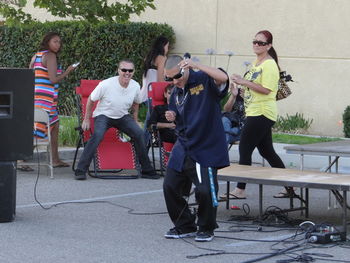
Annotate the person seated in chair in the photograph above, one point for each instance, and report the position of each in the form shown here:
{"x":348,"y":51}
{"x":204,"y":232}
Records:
{"x":115,"y":96}
{"x":233,"y":115}
{"x":159,"y":121}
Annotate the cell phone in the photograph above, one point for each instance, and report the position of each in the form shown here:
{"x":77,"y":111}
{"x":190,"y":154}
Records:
{"x":75,"y":64}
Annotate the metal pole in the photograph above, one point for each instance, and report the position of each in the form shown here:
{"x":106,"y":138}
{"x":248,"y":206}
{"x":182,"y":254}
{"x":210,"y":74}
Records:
{"x":307,"y":202}
{"x":260,"y":201}
{"x":228,"y":195}
{"x":329,"y":192}
{"x":301,"y":189}
{"x":344,"y":210}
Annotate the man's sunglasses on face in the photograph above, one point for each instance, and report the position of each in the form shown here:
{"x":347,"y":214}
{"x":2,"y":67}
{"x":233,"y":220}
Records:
{"x":177,"y":76}
{"x":130,"y":70}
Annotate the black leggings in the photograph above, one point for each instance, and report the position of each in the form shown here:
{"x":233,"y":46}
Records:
{"x":257,"y":133}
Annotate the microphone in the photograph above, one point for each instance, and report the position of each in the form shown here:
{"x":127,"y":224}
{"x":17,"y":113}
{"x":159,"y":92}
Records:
{"x":186,"y":56}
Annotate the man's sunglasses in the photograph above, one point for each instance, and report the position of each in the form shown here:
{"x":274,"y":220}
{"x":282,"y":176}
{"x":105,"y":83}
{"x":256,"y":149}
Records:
{"x":127,"y":70}
{"x":177,"y":76}
{"x":260,"y":43}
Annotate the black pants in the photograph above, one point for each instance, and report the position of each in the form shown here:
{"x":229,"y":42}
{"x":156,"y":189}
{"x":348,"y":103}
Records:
{"x":175,"y":187}
{"x":257,"y":133}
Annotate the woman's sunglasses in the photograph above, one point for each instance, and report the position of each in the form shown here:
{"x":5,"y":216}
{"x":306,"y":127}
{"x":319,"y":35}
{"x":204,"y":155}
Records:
{"x":260,"y":43}
{"x":127,"y":70}
{"x":177,"y":76}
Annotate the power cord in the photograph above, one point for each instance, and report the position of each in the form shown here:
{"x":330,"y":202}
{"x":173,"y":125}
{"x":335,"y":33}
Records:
{"x":297,"y":243}
{"x":274,"y":215}
{"x":280,"y":252}
{"x":311,"y":257}
{"x":222,"y":253}
{"x":130,"y":210}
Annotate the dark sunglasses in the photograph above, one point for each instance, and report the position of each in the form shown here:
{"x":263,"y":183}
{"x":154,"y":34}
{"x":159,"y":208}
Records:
{"x":260,"y":43}
{"x":127,"y":70}
{"x":177,"y":76}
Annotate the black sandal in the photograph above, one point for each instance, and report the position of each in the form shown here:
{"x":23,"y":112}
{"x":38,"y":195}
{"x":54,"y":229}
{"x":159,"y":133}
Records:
{"x":25,"y":168}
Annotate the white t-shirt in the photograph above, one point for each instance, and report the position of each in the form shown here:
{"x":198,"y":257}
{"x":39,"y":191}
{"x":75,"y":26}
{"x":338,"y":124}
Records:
{"x":114,"y":101}
{"x":150,"y":77}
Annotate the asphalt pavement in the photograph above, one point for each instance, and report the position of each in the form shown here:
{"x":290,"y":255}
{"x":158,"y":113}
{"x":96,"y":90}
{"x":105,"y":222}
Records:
{"x":124,"y":221}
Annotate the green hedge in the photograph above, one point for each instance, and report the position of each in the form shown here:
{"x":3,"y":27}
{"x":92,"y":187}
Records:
{"x":98,"y":47}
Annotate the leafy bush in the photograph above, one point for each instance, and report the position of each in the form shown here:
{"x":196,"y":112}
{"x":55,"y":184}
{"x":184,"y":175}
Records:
{"x":98,"y":47}
{"x":346,"y":122}
{"x":142,"y":112}
{"x":292,"y":124}
{"x":68,"y":136}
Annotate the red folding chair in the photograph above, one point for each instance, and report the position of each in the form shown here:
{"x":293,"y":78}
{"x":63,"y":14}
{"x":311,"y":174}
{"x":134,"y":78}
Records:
{"x":156,"y":97}
{"x":112,"y":155}
{"x":167,"y":148}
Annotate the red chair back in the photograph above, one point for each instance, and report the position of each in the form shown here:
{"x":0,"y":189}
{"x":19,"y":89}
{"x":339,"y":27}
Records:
{"x":84,"y":91}
{"x":156,"y":92}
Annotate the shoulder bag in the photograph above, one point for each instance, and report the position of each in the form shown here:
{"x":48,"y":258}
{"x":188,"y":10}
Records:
{"x":283,"y":89}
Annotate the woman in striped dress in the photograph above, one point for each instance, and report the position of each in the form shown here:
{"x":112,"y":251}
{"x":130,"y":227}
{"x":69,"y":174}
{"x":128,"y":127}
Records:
{"x":47,"y":76}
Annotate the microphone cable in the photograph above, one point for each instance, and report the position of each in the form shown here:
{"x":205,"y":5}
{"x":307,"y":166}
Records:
{"x":130,"y":210}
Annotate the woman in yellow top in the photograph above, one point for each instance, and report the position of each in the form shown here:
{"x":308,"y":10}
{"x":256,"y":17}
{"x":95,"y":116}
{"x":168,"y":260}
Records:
{"x":260,"y":86}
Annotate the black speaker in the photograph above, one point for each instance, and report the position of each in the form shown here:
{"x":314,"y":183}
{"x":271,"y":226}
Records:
{"x":7,"y":191}
{"x":16,"y":114}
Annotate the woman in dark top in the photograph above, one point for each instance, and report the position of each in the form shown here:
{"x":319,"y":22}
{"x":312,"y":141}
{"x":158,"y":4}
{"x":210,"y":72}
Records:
{"x":153,"y":71}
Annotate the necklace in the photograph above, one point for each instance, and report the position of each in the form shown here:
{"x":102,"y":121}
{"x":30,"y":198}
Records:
{"x":180,"y":103}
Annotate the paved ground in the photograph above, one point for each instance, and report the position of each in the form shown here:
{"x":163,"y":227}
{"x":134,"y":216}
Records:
{"x":124,"y":221}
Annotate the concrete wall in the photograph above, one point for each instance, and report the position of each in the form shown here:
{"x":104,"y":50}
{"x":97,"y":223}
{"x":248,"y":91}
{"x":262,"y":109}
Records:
{"x":310,"y":38}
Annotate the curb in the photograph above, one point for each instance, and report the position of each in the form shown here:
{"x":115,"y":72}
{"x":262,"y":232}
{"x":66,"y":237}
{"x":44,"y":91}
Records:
{"x":292,"y":161}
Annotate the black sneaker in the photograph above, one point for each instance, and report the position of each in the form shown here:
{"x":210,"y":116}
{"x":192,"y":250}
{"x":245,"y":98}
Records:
{"x":176,"y":234}
{"x":79,"y":175}
{"x":204,"y":236}
{"x":150,"y":175}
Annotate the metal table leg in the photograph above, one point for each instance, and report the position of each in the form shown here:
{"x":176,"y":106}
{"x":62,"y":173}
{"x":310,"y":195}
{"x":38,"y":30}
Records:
{"x":344,"y":211}
{"x":228,"y":195}
{"x":260,"y":201}
{"x":336,"y":171}
{"x":329,"y":192}
{"x":301,"y":189}
{"x":307,"y":202}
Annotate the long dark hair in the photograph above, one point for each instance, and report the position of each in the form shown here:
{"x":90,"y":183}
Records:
{"x":269,"y":39}
{"x":156,"y":50}
{"x":44,"y":45}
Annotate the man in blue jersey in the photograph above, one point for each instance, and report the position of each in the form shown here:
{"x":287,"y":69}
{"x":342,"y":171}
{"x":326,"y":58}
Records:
{"x":200,"y":149}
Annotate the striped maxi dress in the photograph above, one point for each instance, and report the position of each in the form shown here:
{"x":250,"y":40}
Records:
{"x":45,"y":94}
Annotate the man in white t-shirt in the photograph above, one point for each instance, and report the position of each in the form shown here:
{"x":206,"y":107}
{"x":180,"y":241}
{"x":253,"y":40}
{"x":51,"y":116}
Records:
{"x":115,"y":97}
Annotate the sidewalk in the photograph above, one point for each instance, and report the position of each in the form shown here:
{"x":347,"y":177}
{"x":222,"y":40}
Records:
{"x":289,"y":160}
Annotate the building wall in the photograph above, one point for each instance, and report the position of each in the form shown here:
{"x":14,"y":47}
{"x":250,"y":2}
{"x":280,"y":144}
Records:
{"x":310,"y":38}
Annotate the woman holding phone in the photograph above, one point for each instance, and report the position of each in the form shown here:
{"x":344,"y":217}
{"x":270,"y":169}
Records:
{"x":48,"y":74}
